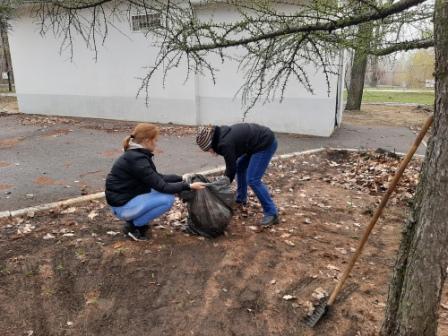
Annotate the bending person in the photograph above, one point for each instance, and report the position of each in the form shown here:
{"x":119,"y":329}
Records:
{"x":247,"y":150}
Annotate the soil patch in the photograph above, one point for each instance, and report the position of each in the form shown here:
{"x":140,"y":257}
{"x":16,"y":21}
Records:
{"x":47,"y":181}
{"x":384,"y":115}
{"x":5,"y":186}
{"x":4,"y":164}
{"x":8,"y":143}
{"x":70,"y":272}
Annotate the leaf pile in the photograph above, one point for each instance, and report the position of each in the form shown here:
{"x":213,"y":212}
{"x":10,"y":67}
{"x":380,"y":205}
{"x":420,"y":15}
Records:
{"x":46,"y":121}
{"x":372,"y":172}
{"x":104,"y":125}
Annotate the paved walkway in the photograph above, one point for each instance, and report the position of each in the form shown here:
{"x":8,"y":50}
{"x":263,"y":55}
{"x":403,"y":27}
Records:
{"x":42,"y":163}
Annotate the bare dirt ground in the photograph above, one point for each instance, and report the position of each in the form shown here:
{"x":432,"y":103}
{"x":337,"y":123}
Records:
{"x":69,"y":272}
{"x":384,"y":115}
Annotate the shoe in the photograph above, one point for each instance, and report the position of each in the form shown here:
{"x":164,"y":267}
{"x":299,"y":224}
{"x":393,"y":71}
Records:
{"x":143,"y":230}
{"x":135,"y":233}
{"x":240,"y":205}
{"x":269,"y":220}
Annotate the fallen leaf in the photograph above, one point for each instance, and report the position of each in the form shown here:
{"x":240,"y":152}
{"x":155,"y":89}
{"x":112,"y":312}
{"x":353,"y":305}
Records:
{"x":290,"y":243}
{"x":319,"y":293}
{"x":333,"y":268}
{"x":309,"y":308}
{"x":69,"y":210}
{"x":27,"y":228}
{"x":341,"y":250}
{"x":92,"y":214}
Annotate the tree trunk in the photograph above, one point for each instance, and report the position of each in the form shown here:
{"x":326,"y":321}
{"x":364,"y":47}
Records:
{"x":420,"y":270}
{"x":6,"y":53}
{"x":359,"y":65}
{"x":375,"y":72}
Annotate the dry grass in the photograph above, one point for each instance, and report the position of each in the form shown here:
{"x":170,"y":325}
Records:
{"x":383,"y":115}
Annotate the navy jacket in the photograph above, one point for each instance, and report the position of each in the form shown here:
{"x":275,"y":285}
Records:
{"x":234,"y":141}
{"x":134,"y":173}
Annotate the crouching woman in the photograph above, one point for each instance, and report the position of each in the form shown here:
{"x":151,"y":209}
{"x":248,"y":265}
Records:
{"x":135,"y":190}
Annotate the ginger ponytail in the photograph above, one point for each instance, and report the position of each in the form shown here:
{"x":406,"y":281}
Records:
{"x":140,"y":133}
{"x":126,"y":142}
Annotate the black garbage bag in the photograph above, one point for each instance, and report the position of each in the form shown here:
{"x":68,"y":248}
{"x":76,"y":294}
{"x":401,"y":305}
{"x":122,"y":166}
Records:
{"x":209,"y":210}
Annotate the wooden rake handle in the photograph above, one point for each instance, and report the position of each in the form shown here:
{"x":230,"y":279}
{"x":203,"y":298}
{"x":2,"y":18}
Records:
{"x":379,"y":210}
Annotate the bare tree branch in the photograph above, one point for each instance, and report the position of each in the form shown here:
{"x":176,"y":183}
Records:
{"x":377,"y":14}
{"x":403,"y":46}
{"x":273,"y":47}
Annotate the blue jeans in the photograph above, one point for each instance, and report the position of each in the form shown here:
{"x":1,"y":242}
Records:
{"x":142,"y":209}
{"x":249,"y":171}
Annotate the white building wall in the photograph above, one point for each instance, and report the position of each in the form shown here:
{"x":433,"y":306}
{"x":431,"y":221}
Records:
{"x":47,"y":82}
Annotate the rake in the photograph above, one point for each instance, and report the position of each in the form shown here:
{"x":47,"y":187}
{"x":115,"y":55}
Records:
{"x":323,"y":307}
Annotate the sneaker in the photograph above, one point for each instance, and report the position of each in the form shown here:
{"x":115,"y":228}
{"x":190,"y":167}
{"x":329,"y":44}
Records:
{"x":133,"y":232}
{"x":269,"y":220}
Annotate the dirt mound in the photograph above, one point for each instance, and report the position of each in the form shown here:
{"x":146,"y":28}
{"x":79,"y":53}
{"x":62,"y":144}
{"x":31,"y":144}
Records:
{"x":70,"y":272}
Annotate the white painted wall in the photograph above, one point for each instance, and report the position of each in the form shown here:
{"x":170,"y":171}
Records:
{"x":47,"y":82}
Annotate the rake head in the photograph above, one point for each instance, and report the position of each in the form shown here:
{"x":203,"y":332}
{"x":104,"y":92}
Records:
{"x":320,"y":310}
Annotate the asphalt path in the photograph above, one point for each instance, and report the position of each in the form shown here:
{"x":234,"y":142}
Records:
{"x":42,"y":163}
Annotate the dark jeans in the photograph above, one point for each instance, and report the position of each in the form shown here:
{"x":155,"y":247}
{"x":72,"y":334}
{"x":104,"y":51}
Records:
{"x":250,"y":171}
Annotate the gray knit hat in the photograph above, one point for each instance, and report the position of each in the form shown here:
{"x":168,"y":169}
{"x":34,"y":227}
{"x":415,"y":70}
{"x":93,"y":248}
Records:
{"x":204,"y":137}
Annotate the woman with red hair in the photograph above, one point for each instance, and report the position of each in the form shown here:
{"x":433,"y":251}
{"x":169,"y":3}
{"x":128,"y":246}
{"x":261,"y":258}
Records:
{"x":135,"y":190}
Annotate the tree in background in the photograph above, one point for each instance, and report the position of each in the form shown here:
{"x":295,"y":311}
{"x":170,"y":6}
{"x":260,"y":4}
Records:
{"x":413,"y":69}
{"x":5,"y":12}
{"x":6,"y":56}
{"x":369,"y":45}
{"x":399,"y":71}
{"x":419,"y":68}
{"x":375,"y":71}
{"x":359,"y":66}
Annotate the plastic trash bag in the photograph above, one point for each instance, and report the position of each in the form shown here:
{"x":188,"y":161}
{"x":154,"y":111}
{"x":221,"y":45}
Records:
{"x":209,"y":210}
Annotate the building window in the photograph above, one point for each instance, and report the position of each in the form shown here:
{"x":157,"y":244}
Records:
{"x":145,"y":22}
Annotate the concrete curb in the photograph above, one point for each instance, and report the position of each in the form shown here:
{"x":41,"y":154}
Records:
{"x":48,"y":206}
{"x":99,"y":195}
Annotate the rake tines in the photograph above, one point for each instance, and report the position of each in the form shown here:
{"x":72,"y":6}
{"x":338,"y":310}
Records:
{"x":319,"y":311}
